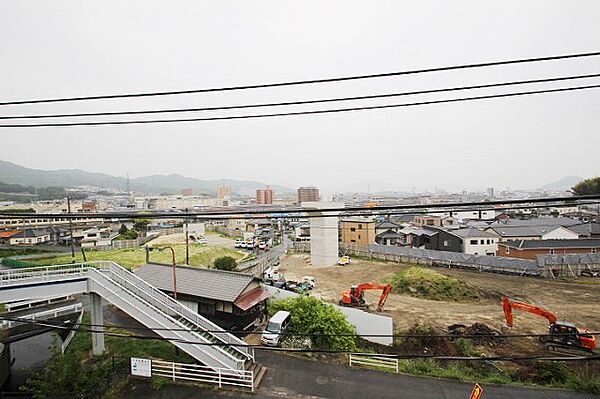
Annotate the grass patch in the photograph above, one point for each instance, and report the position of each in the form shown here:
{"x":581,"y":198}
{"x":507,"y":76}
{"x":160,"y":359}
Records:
{"x":14,"y":252}
{"x":200,"y":255}
{"x":429,"y":284}
{"x":79,"y":375}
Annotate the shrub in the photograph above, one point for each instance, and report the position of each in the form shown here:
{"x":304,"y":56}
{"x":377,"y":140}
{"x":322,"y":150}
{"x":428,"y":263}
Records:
{"x":313,"y":316}
{"x":225,"y":263}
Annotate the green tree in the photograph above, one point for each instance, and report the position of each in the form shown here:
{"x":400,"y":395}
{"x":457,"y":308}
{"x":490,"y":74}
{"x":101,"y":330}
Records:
{"x":587,"y":187}
{"x":141,"y":225}
{"x":313,"y":316}
{"x":225,"y":263}
{"x":123,"y":229}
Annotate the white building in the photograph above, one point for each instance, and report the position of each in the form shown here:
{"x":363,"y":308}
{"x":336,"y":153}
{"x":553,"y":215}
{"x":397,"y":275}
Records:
{"x":477,"y":242}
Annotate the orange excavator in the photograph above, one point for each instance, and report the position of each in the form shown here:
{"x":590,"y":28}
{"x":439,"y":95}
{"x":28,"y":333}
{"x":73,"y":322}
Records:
{"x":355,"y":295}
{"x":562,"y":336}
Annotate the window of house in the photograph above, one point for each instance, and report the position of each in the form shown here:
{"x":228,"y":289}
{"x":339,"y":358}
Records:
{"x":352,"y":229}
{"x":473,"y":242}
{"x":446,"y":243}
{"x":206,"y":308}
{"x":360,"y":226}
{"x":551,"y":251}
{"x":359,"y":236}
{"x":430,"y":223}
{"x":489,"y":241}
{"x":352,"y":240}
{"x":482,"y":242}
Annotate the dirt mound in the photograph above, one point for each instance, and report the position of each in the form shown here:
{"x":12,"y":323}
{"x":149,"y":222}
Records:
{"x":430,"y":284}
{"x":479,"y":333}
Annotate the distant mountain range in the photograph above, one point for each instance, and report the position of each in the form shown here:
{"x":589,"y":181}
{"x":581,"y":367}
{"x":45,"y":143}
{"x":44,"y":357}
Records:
{"x":16,"y":174}
{"x":563,"y":184}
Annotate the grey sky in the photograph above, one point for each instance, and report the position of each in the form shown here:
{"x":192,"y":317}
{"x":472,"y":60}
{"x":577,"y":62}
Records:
{"x":72,"y":48}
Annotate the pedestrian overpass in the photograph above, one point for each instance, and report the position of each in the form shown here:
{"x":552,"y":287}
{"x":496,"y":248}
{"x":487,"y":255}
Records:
{"x":192,"y":333}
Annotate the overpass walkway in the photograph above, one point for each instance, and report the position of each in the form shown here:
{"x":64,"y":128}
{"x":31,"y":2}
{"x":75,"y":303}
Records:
{"x":142,"y":301}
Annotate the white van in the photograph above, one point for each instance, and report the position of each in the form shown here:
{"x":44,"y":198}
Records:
{"x":275,"y":327}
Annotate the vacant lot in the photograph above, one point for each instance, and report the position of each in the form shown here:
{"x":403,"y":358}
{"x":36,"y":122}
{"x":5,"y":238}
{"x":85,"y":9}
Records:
{"x":200,"y":255}
{"x":572,"y":301}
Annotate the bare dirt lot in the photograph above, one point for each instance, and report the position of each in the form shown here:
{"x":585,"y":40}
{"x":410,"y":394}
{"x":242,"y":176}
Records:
{"x":578,"y":302}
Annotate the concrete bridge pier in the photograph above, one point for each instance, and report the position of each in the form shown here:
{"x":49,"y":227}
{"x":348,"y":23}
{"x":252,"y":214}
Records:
{"x":98,"y":347}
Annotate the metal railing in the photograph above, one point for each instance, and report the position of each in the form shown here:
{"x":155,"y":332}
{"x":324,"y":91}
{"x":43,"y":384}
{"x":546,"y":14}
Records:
{"x":158,"y":298}
{"x":374,"y":361}
{"x":43,"y":315}
{"x":120,"y":285}
{"x":202,"y":374}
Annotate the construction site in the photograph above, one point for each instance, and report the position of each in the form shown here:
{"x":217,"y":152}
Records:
{"x":462,"y":302}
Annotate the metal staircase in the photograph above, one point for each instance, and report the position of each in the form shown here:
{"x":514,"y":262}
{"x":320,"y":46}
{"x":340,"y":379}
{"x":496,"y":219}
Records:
{"x":140,"y":300}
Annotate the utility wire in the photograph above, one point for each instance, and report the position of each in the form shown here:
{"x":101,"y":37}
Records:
{"x":305,"y":82}
{"x":307,"y":212}
{"x":297,"y":113}
{"x":288,"y":334}
{"x":302,"y":350}
{"x":304,"y":102}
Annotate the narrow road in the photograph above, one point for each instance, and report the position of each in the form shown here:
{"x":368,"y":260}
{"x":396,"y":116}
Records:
{"x":289,"y":377}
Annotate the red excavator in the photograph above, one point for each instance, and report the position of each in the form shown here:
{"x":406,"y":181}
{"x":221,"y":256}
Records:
{"x":562,"y":337}
{"x":355,"y":295}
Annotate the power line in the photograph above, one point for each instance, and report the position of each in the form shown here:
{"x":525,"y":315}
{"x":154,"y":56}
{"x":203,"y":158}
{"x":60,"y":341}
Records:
{"x":303,"y":350}
{"x":225,"y":331}
{"x":297,"y":113}
{"x":304,"y":102}
{"x":305,"y":82}
{"x":308,"y":213}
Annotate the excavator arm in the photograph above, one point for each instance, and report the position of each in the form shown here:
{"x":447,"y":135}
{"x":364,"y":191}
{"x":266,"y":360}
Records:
{"x":386,"y":289}
{"x":508,"y":305}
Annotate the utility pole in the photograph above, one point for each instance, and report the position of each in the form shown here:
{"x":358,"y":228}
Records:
{"x":71,"y":229}
{"x":187,"y":241}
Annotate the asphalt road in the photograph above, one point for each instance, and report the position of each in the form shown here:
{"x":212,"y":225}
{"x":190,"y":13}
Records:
{"x":290,"y":377}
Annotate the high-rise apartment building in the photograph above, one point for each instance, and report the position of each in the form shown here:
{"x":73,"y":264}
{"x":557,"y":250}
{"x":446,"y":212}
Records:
{"x":265,"y":197}
{"x":224,"y":192}
{"x":308,"y":194}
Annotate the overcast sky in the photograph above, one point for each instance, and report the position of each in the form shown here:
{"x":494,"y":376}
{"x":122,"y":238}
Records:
{"x":74,"y":48}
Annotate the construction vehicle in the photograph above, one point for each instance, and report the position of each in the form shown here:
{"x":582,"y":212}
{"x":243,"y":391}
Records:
{"x":354,"y":297}
{"x":563,"y":337}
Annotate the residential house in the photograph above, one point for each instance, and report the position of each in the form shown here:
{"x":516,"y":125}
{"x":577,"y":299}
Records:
{"x":587,"y":230}
{"x":231,"y":300}
{"x":531,"y":249}
{"x":95,"y":237}
{"x":512,"y":233}
{"x":434,"y":220}
{"x":388,"y":233}
{"x":357,"y":231}
{"x":302,"y":232}
{"x":477,"y":242}
{"x":6,"y":235}
{"x":29,"y":237}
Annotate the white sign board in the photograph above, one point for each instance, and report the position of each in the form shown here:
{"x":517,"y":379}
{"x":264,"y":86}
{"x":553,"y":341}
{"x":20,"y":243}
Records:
{"x":141,"y":367}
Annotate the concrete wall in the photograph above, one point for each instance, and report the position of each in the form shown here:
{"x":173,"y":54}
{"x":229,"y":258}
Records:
{"x":324,"y":246}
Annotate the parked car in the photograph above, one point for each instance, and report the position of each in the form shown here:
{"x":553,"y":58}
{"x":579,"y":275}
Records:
{"x":250,"y":244}
{"x":344,"y":260}
{"x":310,"y":280}
{"x":202,"y":240}
{"x":262,"y":245}
{"x":590,"y":273}
{"x":275,"y":328}
{"x":238,"y":243}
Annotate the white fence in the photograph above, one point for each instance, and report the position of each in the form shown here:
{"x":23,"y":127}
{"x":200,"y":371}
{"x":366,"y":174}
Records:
{"x":376,"y":361}
{"x":203,"y":374}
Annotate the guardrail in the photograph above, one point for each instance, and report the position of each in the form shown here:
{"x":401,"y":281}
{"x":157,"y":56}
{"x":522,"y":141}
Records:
{"x":374,"y":361}
{"x":203,"y":374}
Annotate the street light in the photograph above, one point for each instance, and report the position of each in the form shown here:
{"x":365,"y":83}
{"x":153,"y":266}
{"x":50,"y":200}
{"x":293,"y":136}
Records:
{"x":160,"y":249}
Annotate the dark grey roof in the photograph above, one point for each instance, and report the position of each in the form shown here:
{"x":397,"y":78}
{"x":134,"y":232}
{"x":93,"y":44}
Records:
{"x":586,"y":229}
{"x":559,"y":221}
{"x":30,"y":234}
{"x":535,"y":244}
{"x":524,"y":231}
{"x":386,"y":224}
{"x":200,"y":282}
{"x":471,"y":232}
{"x":389,"y":234}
